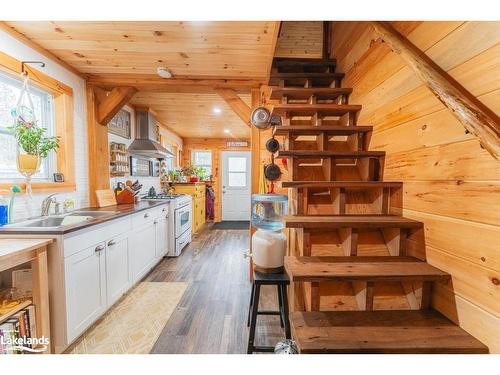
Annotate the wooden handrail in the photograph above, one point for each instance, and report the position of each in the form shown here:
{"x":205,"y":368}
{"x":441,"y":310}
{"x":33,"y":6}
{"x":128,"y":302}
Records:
{"x":476,"y":117}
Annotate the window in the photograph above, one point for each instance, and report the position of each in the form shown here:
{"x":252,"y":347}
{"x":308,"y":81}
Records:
{"x":237,"y":171}
{"x":43,"y":103}
{"x":203,"y":159}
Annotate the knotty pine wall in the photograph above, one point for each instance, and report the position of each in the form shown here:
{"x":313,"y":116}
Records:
{"x":216,"y":145}
{"x":450,"y":182}
{"x":300,"y":39}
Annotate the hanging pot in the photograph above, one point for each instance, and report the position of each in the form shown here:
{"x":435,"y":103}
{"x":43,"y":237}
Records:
{"x":272,"y":145}
{"x":260,"y":118}
{"x":272,"y":171}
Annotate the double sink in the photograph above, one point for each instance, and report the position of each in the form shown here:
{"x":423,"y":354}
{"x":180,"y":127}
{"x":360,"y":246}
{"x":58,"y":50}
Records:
{"x":58,"y":221}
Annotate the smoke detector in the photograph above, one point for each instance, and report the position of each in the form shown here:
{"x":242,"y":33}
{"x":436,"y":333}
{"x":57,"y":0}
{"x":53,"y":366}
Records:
{"x":164,"y":72}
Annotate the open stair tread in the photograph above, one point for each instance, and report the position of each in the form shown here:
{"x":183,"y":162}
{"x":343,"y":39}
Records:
{"x":299,"y":93}
{"x":327,"y":154}
{"x":300,"y":78}
{"x":389,"y":268}
{"x":304,"y":109}
{"x":349,"y":221}
{"x":424,"y":331}
{"x":300,"y":61}
{"x":340,"y":184}
{"x":322,"y":129}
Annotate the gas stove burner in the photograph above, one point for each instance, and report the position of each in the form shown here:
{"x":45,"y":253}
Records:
{"x":162,"y":196}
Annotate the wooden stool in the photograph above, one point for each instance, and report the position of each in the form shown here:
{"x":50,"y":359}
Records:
{"x":281,"y":280}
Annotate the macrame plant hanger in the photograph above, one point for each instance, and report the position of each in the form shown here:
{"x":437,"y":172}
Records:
{"x":25,"y":92}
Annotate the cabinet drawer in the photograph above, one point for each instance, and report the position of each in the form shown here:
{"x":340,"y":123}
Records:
{"x":144,"y":217}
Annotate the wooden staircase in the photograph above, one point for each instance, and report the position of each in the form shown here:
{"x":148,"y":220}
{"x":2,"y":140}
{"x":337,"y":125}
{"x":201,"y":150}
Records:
{"x":359,"y":279}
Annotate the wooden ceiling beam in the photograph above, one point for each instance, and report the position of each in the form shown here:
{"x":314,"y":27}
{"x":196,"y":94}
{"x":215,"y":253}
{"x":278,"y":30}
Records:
{"x":151,"y":82}
{"x":113,"y":102}
{"x":236,"y":103}
{"x":477,"y":118}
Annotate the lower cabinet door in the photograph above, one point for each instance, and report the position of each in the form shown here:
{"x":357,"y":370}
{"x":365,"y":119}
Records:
{"x":161,"y":231}
{"x":85,"y":277}
{"x":142,"y":250}
{"x":118,"y":279}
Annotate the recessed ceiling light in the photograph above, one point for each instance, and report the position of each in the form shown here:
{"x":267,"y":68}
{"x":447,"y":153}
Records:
{"x":164,"y":72}
{"x":227,"y":131}
{"x":217,"y":110}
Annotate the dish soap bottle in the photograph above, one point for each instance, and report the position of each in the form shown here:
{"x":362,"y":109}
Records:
{"x":4,"y":212}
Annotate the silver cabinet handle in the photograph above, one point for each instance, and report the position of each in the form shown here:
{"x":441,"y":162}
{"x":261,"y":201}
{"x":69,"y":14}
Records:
{"x":164,"y":209}
{"x":166,"y":216}
{"x":99,"y":248}
{"x":111,"y":242}
{"x":146,"y":215}
{"x":155,"y":222}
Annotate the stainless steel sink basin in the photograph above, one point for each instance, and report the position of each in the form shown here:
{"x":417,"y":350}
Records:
{"x":59,"y":221}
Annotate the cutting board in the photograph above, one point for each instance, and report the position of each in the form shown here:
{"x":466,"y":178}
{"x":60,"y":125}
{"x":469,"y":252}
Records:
{"x":105,"y":197}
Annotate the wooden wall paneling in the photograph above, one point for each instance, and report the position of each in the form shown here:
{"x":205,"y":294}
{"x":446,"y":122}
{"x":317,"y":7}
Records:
{"x":472,"y":241}
{"x":450,"y":182}
{"x":98,"y":148}
{"x":472,"y":318}
{"x":300,"y":39}
{"x":477,"y":284}
{"x":468,"y":200}
{"x":415,"y":103}
{"x":474,"y":115}
{"x":454,"y":161}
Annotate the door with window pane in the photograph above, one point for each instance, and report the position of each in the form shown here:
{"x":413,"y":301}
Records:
{"x":236,"y":185}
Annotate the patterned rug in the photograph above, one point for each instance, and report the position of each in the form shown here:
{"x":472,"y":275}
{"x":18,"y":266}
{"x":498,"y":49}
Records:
{"x":134,"y":323}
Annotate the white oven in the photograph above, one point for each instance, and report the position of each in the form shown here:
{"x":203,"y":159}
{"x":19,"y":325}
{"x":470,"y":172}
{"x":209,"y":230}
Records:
{"x":183,"y":218}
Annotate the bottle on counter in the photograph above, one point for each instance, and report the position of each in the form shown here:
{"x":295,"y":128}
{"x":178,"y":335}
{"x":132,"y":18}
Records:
{"x":4,"y":212}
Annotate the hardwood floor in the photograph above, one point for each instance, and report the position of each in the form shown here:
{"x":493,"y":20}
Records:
{"x":211,"y":317}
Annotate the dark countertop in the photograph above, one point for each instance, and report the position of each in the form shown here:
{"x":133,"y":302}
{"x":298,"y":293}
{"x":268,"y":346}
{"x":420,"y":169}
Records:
{"x":118,"y":212}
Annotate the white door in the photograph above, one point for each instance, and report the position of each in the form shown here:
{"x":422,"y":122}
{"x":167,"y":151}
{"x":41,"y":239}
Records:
{"x":85,"y":288}
{"x":118,"y":279}
{"x":236,"y":185}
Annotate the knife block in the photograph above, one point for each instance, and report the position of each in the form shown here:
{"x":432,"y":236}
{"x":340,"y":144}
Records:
{"x":125,"y":197}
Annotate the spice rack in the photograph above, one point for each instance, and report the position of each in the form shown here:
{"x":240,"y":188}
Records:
{"x":118,"y":159}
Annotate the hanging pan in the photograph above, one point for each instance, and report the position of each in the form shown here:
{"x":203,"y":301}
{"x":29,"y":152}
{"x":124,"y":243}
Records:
{"x":261,"y":118}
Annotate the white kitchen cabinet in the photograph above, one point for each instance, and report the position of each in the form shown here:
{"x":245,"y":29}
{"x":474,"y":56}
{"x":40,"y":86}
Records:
{"x":118,"y":272}
{"x":142,"y":250}
{"x":85,"y":277}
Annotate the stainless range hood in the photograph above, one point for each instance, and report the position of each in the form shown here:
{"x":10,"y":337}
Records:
{"x":145,"y":143}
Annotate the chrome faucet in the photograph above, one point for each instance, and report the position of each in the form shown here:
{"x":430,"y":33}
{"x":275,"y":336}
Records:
{"x":46,"y":204}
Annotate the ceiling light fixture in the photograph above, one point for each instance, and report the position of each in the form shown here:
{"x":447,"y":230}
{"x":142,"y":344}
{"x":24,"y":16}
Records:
{"x":217,"y":110}
{"x":164,"y":72}
{"x":227,"y":131}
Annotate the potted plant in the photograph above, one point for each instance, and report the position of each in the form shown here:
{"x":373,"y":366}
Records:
{"x":32,"y":144}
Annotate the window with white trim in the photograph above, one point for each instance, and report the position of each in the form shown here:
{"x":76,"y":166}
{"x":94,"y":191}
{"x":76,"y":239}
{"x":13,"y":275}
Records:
{"x":43,"y":102}
{"x":202,"y":159}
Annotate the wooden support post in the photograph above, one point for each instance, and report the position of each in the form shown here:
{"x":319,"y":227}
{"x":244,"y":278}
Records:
{"x":98,"y":148}
{"x":255,"y":161}
{"x":113,"y":102}
{"x":477,"y":118}
{"x":315,"y":296}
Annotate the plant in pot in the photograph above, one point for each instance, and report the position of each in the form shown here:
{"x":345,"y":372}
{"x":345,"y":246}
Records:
{"x":194,"y":173}
{"x":32,"y":143}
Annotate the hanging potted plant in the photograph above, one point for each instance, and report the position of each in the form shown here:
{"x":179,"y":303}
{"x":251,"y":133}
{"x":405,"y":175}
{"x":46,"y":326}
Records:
{"x":32,"y":144}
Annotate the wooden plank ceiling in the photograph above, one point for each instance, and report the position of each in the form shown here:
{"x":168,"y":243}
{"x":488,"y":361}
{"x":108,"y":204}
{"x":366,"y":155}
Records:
{"x":194,"y":115}
{"x":201,"y":56}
